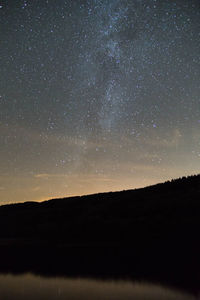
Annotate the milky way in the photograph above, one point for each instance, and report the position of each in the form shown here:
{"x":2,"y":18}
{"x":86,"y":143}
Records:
{"x":97,"y":95}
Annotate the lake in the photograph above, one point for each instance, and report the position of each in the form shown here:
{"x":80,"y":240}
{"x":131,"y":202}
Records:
{"x":30,"y":286}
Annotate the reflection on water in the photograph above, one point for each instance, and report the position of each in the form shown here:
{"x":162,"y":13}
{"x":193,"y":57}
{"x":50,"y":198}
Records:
{"x":30,"y":287}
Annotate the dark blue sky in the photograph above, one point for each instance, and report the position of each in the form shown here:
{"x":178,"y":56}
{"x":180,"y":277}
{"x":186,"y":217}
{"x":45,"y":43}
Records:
{"x":97,"y":95}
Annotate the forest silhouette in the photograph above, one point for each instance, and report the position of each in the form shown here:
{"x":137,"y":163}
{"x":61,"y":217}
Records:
{"x":152,"y":232}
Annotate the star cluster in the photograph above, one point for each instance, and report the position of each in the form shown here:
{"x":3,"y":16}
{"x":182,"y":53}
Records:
{"x":97,"y":95}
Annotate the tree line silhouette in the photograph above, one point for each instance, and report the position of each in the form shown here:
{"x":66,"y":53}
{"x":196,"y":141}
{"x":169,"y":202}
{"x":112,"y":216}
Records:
{"x":151,"y":232}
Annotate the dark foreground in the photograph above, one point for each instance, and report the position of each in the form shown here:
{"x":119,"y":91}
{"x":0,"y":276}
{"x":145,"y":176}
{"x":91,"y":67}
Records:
{"x":149,"y":234}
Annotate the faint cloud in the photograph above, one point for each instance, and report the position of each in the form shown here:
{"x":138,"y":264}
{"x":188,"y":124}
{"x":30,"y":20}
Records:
{"x":49,"y":175}
{"x":171,"y":141}
{"x":35,"y":189}
{"x":45,"y":176}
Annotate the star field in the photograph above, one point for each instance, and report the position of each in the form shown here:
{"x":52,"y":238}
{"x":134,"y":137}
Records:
{"x":97,"y":95}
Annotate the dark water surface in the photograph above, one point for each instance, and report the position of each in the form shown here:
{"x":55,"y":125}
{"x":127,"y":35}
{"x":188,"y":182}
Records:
{"x":29,"y":286}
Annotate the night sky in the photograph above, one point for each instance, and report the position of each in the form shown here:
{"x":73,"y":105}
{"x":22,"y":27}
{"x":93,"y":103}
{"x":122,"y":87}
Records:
{"x":97,"y":95}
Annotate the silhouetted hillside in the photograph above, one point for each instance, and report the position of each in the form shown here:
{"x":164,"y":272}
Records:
{"x":153,"y":230}
{"x":171,"y":209}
